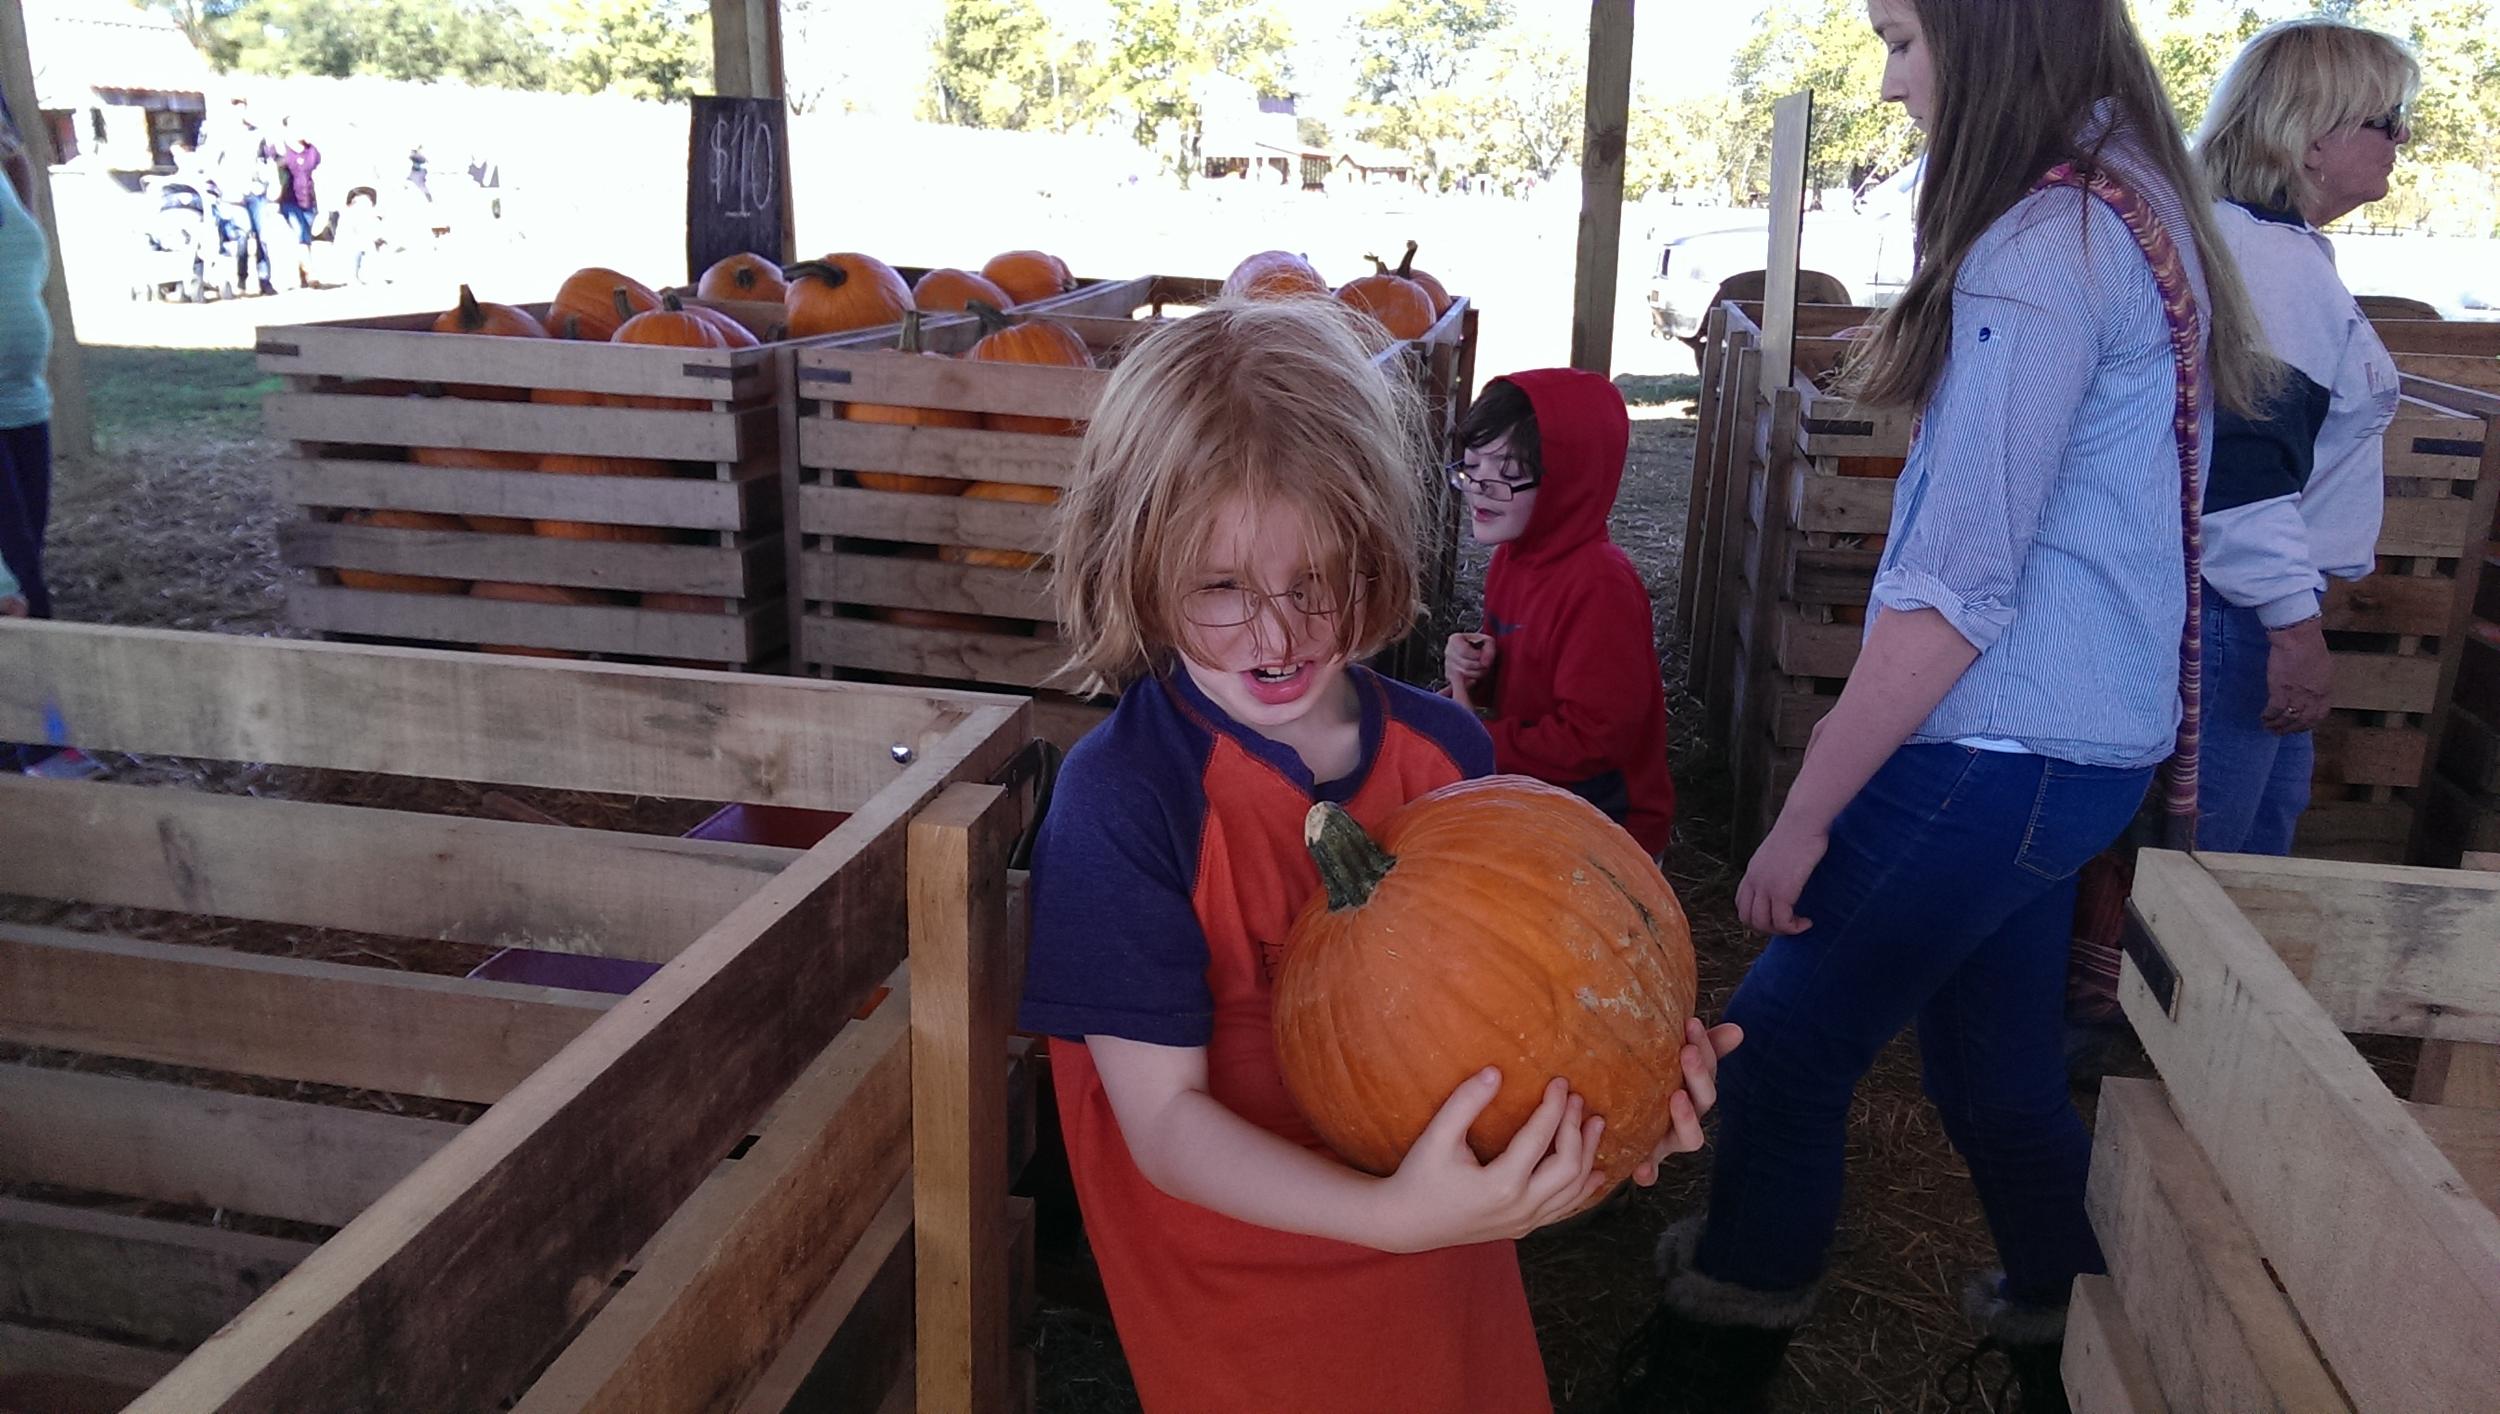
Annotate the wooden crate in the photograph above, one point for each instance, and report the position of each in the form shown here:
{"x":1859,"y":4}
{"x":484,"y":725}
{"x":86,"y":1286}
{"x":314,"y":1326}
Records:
{"x":1792,"y":496}
{"x":872,"y":594}
{"x":2282,"y":1231}
{"x":2461,"y":808}
{"x":705,"y":587}
{"x":795,"y":1138}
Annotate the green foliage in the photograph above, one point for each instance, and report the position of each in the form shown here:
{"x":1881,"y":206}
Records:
{"x":1166,"y":53}
{"x":1411,"y":62}
{"x":645,"y":48}
{"x":659,"y":49}
{"x":1824,"y":45}
{"x":1001,"y":64}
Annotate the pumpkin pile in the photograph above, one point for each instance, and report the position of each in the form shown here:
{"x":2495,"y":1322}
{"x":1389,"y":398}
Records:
{"x":1495,"y":922}
{"x":1405,"y":301}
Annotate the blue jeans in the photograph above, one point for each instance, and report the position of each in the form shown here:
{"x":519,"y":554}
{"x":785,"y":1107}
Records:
{"x":2251,"y":784}
{"x":25,"y":510}
{"x":1946,"y":898}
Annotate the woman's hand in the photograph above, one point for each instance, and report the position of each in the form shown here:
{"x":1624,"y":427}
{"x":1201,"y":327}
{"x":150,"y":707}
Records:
{"x":1441,"y":1197}
{"x":1468,"y":657}
{"x":1702,"y":1049}
{"x":2299,"y":675}
{"x":1767,"y":899}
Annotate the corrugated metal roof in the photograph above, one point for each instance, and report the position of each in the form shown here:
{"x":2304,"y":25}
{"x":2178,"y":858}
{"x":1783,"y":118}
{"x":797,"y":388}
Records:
{"x":80,"y":46}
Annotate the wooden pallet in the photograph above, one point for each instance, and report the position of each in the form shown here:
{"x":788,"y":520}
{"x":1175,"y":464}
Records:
{"x":362,"y":393}
{"x":1793,"y":494}
{"x":871,"y":594}
{"x":2282,"y":1231}
{"x":794,"y":1138}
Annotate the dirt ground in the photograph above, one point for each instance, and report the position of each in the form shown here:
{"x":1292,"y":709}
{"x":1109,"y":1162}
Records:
{"x":174,"y":525}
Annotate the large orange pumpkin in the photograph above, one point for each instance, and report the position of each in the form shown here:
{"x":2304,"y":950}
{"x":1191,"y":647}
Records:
{"x":1028,"y":275}
{"x":402,"y":583}
{"x":733,"y":334}
{"x":474,"y":316}
{"x":1401,"y":306}
{"x":1406,"y":271}
{"x":946,"y":290}
{"x":585,"y":306}
{"x":567,"y":464}
{"x":1000,"y":559}
{"x":1495,"y":922}
{"x":671,"y":325}
{"x":742,"y":277}
{"x":1015,"y":338}
{"x":898,"y":416}
{"x":480,"y":459}
{"x":1274,"y":274}
{"x":844,"y":291}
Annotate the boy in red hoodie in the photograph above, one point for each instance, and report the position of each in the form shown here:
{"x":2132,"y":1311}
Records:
{"x":1565,"y":672}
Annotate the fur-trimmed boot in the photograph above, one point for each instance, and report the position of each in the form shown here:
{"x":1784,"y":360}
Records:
{"x":1711,"y":1347}
{"x":2029,"y":1340}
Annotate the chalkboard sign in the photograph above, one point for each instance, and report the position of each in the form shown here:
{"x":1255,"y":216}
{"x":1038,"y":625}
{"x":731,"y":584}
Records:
{"x":737,"y":189}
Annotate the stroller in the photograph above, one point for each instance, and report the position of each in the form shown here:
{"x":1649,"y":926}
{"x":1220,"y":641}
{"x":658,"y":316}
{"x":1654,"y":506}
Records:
{"x":180,"y":254}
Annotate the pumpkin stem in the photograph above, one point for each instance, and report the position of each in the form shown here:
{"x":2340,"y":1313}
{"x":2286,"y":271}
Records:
{"x":909,"y":340}
{"x":1350,"y":864}
{"x":472,"y":318}
{"x":624,"y":306}
{"x":744,"y":277}
{"x":1406,"y":266}
{"x":834,"y":276}
{"x":993,"y":319}
{"x":669,"y":302}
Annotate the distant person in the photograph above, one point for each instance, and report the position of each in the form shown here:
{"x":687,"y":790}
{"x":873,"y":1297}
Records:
{"x":298,"y":199}
{"x":241,"y":168}
{"x":2304,"y":128}
{"x":361,"y":234}
{"x":25,"y":411}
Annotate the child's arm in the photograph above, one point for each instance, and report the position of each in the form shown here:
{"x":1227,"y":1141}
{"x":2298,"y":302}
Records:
{"x":1189,"y":1145}
{"x":1608,"y":658}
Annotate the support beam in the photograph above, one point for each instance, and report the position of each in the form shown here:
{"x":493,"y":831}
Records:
{"x":1609,"y":108}
{"x":747,"y":63}
{"x":1792,"y":121}
{"x":161,"y":1283}
{"x":73,"y":426}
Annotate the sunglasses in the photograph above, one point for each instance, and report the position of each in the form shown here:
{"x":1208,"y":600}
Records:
{"x":2393,"y":123}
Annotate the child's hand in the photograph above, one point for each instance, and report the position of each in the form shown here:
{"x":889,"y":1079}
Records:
{"x":12,"y":606}
{"x":1702,"y":1049}
{"x":1468,"y":657}
{"x":1441,"y":1197}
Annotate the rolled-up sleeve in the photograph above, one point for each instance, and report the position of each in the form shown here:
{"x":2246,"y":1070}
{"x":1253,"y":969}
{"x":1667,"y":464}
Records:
{"x":2025,"y":344}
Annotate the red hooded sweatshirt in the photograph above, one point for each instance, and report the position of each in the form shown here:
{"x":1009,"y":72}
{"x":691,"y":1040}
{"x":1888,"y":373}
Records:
{"x":1577,"y":697}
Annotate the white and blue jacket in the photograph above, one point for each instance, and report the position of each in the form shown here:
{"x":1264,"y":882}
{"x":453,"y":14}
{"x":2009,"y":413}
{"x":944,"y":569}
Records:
{"x":2295,"y":493}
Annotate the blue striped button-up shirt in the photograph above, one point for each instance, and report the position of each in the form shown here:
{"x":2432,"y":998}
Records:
{"x":2039,"y":510}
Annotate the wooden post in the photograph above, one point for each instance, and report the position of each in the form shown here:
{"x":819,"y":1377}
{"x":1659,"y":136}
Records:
{"x":746,"y":63}
{"x":1791,"y":118}
{"x":966,"y":964}
{"x":1601,"y":184}
{"x":2460,"y":1072}
{"x":73,"y":427}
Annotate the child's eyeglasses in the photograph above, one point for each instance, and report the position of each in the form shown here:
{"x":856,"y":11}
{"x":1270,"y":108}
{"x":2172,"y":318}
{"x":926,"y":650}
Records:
{"x":1230,"y":606}
{"x":2393,"y":122}
{"x":1491,"y":488}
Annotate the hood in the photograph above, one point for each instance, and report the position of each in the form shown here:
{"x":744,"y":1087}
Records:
{"x":1582,"y":430}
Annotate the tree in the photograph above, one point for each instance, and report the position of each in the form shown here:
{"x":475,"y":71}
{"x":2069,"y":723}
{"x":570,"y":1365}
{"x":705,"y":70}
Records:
{"x":658,"y":49}
{"x":1698,"y":146}
{"x":1165,"y":53}
{"x":1410,"y":59}
{"x":484,"y":42}
{"x":997,"y":65}
{"x":1532,"y":108}
{"x":1823,"y":45}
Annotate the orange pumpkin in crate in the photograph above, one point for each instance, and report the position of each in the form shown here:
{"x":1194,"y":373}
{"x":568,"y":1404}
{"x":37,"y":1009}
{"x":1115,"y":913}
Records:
{"x":742,"y":277}
{"x":533,"y":594}
{"x":480,"y":459}
{"x":671,"y":325}
{"x":733,"y":334}
{"x":586,"y":305}
{"x":949,"y":291}
{"x":503,"y":321}
{"x":844,"y":291}
{"x":936,"y":618}
{"x":1274,"y":274}
{"x":402,"y":583}
{"x":1028,"y":275}
{"x":1399,"y":305}
{"x":1029,"y":339}
{"x":894,"y":415}
{"x":1406,"y":270}
{"x":568,"y":464}
{"x":1000,"y":559}
{"x":1496,"y":922}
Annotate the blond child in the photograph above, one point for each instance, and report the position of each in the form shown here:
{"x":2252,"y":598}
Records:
{"x":1240,"y":531}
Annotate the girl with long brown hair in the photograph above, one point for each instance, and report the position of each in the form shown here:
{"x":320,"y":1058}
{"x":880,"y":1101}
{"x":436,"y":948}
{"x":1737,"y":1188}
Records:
{"x":2063,"y":340}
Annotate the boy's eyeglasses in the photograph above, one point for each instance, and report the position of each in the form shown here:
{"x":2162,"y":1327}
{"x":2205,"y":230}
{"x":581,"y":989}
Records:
{"x":2392,"y":122}
{"x":1491,"y":488}
{"x":1230,"y":606}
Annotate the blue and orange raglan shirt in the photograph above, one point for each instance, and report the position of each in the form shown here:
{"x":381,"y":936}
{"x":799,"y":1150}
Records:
{"x":1167,"y":873}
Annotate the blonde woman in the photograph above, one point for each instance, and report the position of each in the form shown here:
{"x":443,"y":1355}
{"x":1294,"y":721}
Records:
{"x":2305,"y":127}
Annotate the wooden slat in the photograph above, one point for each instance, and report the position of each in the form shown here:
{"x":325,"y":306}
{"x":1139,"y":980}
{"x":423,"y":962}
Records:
{"x":852,"y":375}
{"x":2465,"y":370}
{"x":2460,"y":1073}
{"x":372,"y":1028}
{"x":742,"y":637}
{"x":836,"y":577}
{"x":855,"y":1338}
{"x":2383,"y":949}
{"x":1791,"y":120}
{"x":929,"y":520}
{"x":2389,"y":603}
{"x":728,"y":571}
{"x":934,"y":652}
{"x":2428,"y":525}
{"x":494,"y":882}
{"x":1844,"y":505}
{"x":2469,"y":1134}
{"x":2104,"y":1365}
{"x":2391,"y":1261}
{"x":747,"y":502}
{"x":2193,"y":1283}
{"x":2472,"y":401}
{"x":373,"y":349}
{"x":206,"y":1148}
{"x":726,"y":1281}
{"x":2450,"y":336}
{"x":2351,"y":754}
{"x":967,"y":966}
{"x":568,"y":1168}
{"x":156,"y":1282}
{"x":966,"y":453}
{"x":669,"y":435}
{"x":710,"y":736}
{"x":84,"y":1366}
